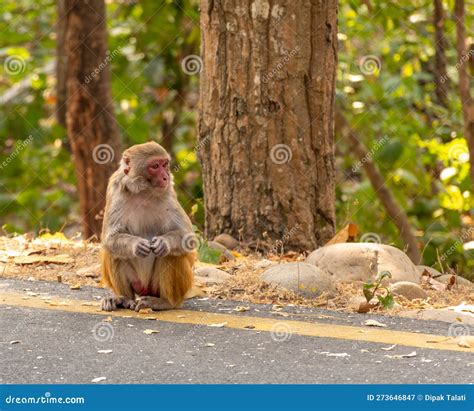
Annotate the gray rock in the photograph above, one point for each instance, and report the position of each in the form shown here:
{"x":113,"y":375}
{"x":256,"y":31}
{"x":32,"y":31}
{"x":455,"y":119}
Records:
{"x":302,"y":278}
{"x":363,"y":261}
{"x":459,"y":280}
{"x":225,"y":252}
{"x":227,"y":241}
{"x":210,"y":275}
{"x":408,"y":290}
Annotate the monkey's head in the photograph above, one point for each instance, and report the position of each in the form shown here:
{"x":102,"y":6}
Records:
{"x":150,"y":163}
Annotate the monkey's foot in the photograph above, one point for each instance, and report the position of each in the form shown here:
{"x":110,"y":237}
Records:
{"x":112,"y":303}
{"x":155,"y":303}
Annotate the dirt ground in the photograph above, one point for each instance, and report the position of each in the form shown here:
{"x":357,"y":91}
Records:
{"x":76,"y":263}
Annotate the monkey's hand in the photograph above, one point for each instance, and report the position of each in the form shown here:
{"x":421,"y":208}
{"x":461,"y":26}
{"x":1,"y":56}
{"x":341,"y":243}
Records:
{"x":141,"y":247}
{"x":160,"y":246}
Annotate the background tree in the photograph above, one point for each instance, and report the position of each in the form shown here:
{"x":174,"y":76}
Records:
{"x":91,"y":126}
{"x":266,"y":120}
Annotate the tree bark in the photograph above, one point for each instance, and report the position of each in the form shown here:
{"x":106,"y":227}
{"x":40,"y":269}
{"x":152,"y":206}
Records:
{"x":91,"y":126}
{"x":394,"y":210}
{"x":61,"y":63}
{"x":464,"y":83}
{"x":440,"y":73}
{"x":266,"y":126}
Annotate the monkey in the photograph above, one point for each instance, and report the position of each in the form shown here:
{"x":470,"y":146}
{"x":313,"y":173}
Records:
{"x":148,"y":244}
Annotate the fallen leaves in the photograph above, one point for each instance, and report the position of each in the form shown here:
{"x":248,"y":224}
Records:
{"x":150,"y":332}
{"x":43,"y":259}
{"x":218,"y":325}
{"x":98,"y":379}
{"x":241,"y":309}
{"x":104,"y":351}
{"x":401,"y":356}
{"x":374,"y":323}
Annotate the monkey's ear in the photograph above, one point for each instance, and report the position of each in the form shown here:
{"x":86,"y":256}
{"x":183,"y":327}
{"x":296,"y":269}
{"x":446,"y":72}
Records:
{"x":126,"y":165}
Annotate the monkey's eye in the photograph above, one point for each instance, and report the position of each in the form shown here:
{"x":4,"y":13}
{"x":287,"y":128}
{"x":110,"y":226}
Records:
{"x":155,"y":166}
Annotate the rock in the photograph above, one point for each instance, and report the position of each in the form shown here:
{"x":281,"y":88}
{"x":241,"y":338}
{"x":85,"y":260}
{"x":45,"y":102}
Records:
{"x":210,"y":275}
{"x":459,"y":280}
{"x":90,"y":271}
{"x":302,"y":278}
{"x":225,"y":252}
{"x":227,"y":241}
{"x":363,"y":261}
{"x":263,"y":263}
{"x":408,"y":290}
{"x":434,"y":273}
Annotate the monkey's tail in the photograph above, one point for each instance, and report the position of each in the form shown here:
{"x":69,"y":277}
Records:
{"x":176,"y":277}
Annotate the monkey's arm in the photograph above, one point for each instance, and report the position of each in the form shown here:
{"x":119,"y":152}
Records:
{"x":123,"y":245}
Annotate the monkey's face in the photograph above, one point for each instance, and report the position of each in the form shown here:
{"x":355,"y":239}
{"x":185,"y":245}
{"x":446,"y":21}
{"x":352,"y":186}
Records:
{"x":158,"y":172}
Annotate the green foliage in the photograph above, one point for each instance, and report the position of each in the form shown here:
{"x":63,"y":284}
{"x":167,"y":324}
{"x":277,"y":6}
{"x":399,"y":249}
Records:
{"x":375,"y":289}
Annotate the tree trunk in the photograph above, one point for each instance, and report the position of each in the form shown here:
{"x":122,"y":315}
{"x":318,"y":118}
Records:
{"x":464,"y":83}
{"x":266,"y":125}
{"x":61,"y":63}
{"x":92,"y":129}
{"x":440,"y":74}
{"x":394,"y":210}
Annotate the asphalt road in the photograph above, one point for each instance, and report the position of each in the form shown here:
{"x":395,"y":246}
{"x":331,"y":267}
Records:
{"x":51,"y":334}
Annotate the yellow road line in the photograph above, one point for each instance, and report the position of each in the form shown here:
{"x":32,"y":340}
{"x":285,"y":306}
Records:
{"x":242,"y":322}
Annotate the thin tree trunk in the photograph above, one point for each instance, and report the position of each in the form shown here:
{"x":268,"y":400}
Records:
{"x":91,"y":125}
{"x":61,"y":63}
{"x":267,"y":115}
{"x":440,"y":73}
{"x":394,"y":210}
{"x":464,"y":82}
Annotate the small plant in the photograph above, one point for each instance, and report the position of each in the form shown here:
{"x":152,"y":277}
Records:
{"x":376,"y":289}
{"x":206,"y":254}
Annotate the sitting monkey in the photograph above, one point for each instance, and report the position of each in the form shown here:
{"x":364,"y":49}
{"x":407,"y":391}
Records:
{"x":148,"y":241}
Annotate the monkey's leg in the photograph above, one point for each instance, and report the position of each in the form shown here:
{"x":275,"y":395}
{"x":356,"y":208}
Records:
{"x":172,"y":278}
{"x":117,"y":274}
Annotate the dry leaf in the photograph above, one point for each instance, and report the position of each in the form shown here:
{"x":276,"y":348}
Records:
{"x":75,"y":286}
{"x":210,"y":344}
{"x":241,"y":309}
{"x":104,"y":351}
{"x":146,"y":311}
{"x":389,"y":348}
{"x":99,"y":379}
{"x":374,"y":323}
{"x":346,"y":235}
{"x":397,"y":357}
{"x":149,"y":332}
{"x":42,"y":259}
{"x":108,"y":319}
{"x":217,"y":325}
{"x":430,"y":282}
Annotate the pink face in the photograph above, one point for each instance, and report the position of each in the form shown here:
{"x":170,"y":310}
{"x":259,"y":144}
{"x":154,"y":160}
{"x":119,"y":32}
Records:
{"x":158,"y":171}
